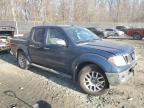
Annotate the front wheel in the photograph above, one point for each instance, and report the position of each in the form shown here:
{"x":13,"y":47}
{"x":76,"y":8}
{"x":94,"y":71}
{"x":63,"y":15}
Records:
{"x":93,"y":81}
{"x":23,"y":61}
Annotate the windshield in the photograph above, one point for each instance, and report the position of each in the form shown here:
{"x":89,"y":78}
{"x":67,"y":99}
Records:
{"x":80,"y":35}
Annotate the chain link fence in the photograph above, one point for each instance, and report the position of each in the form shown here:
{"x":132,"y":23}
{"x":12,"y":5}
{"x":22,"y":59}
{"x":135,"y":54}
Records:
{"x":21,"y":26}
{"x":24,"y":27}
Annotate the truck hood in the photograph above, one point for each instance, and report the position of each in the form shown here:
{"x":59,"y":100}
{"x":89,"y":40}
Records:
{"x":113,"y":48}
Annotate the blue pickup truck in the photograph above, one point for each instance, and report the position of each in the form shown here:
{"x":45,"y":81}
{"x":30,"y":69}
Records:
{"x":92,"y":62}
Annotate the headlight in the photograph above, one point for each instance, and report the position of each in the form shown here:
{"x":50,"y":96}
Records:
{"x":117,"y":60}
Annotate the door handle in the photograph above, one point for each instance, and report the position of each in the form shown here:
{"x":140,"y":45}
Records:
{"x":46,"y":48}
{"x":36,"y":46}
{"x":31,"y":45}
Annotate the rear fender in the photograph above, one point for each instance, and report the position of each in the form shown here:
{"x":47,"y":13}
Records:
{"x":25,"y":50}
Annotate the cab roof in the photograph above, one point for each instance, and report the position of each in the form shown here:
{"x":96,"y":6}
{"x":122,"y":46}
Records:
{"x":46,"y":26}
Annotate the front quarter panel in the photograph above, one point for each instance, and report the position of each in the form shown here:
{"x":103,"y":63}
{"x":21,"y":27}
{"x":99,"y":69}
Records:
{"x":92,"y":58}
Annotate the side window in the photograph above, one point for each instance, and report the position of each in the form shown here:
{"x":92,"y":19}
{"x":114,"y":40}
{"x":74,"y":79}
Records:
{"x":118,"y":27}
{"x":38,"y":34}
{"x":109,"y":29}
{"x":55,"y":36}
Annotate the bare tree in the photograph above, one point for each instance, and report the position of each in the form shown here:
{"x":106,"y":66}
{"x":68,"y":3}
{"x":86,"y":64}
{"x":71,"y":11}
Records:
{"x":74,"y":10}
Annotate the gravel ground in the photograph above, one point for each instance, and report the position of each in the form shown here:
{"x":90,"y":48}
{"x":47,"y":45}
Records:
{"x":24,"y":88}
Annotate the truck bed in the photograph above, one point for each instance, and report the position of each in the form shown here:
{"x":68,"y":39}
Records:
{"x":18,"y":42}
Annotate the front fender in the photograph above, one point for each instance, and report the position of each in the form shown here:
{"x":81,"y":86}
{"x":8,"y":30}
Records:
{"x":92,"y":58}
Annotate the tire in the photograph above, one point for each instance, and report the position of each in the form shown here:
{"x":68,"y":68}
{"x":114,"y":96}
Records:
{"x":101,"y":35}
{"x":8,"y":51}
{"x":93,"y":81}
{"x":106,"y":37}
{"x":137,"y":36}
{"x":22,"y":60}
{"x":116,"y":34}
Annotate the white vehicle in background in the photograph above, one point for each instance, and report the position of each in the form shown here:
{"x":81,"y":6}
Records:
{"x":119,"y":33}
{"x":6,"y":33}
{"x":122,"y":28}
{"x":113,"y":32}
{"x":18,"y":35}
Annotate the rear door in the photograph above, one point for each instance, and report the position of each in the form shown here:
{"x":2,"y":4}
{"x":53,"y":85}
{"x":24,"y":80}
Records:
{"x":36,"y":44}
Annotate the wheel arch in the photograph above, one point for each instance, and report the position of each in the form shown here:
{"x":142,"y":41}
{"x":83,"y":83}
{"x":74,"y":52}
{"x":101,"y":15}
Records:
{"x":136,"y":33}
{"x":83,"y":64}
{"x":99,"y":61}
{"x":25,"y":52}
{"x":18,"y":51}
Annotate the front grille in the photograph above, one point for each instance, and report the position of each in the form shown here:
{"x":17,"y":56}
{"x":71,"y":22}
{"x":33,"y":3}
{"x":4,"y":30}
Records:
{"x":130,"y":57}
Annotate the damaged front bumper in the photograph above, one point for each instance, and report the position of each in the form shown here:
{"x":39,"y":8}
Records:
{"x":121,"y":77}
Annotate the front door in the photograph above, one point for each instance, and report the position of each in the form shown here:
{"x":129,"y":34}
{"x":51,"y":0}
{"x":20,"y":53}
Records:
{"x":57,"y":53}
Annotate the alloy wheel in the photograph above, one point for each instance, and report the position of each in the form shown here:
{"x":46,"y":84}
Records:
{"x":94,"y":81}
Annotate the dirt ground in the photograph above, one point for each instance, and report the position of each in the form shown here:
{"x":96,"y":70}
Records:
{"x":24,"y":88}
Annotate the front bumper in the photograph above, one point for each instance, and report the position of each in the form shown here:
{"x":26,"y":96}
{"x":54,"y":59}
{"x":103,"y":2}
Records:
{"x":121,"y":77}
{"x":4,"y":48}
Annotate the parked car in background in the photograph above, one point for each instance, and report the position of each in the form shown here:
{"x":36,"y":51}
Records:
{"x":92,"y":62}
{"x":18,"y":35}
{"x":98,"y":31}
{"x":6,"y":32}
{"x":122,"y":28}
{"x":136,"y":33}
{"x":113,"y":32}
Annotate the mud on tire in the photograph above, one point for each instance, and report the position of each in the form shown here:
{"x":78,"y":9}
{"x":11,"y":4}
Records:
{"x":22,"y":60}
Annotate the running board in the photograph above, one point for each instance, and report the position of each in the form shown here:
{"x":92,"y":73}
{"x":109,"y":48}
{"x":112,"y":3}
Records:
{"x":52,"y":71}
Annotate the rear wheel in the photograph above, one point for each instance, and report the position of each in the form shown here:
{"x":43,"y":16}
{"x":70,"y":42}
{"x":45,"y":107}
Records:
{"x":116,"y":34}
{"x":23,"y":61}
{"x":137,"y":36}
{"x":93,"y":81}
{"x":101,"y":35}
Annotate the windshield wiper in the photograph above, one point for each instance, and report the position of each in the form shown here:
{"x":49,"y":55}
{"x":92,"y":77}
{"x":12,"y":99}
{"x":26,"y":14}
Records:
{"x":88,"y":41}
{"x":96,"y":39}
{"x":82,"y":42}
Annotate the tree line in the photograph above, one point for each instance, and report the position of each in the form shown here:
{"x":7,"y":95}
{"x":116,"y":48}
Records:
{"x":73,"y":10}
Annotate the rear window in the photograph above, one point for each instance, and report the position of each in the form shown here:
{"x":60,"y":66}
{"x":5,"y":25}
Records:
{"x":120,"y":27}
{"x":108,"y":29}
{"x":38,"y":34}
